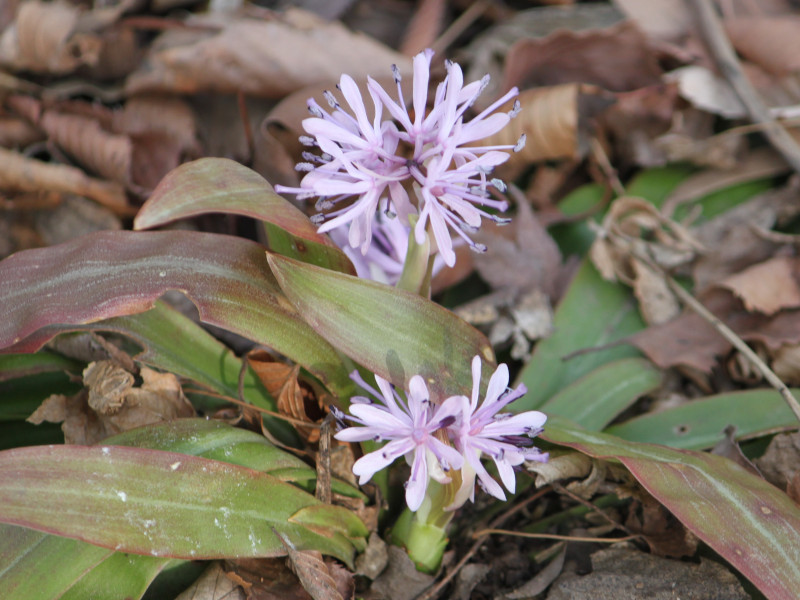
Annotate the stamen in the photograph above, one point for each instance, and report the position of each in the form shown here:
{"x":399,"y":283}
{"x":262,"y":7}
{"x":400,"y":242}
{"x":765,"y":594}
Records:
{"x":520,"y":143}
{"x":317,"y":219}
{"x":499,"y":184}
{"x":304,"y":166}
{"x":515,"y":110}
{"x":331,"y":99}
{"x":396,"y":72}
{"x":307,"y":140}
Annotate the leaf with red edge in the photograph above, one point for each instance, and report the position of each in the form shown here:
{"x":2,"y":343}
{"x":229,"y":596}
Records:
{"x":116,"y":273}
{"x":220,"y":185}
{"x":749,"y":522}
{"x":393,"y":333}
{"x":163,"y":503}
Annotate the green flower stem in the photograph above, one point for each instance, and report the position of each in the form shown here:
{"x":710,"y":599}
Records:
{"x":418,"y":265}
{"x":424,"y":533}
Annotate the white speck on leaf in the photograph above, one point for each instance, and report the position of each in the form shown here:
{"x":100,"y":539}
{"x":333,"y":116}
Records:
{"x":122,"y":496}
{"x":175,"y":465}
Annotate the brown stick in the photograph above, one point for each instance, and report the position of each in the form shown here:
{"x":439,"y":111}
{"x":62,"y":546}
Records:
{"x":721,"y":49}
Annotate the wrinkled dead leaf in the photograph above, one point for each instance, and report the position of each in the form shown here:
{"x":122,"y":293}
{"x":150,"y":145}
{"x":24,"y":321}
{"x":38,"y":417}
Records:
{"x":768,"y":286}
{"x":781,"y":462}
{"x":111,"y":404}
{"x":401,"y":580}
{"x":295,"y":399}
{"x":664,"y":534}
{"x":213,"y":584}
{"x":617,"y":58}
{"x":634,"y":228}
{"x":30,"y":175}
{"x":667,"y":19}
{"x":374,"y":559}
{"x":706,"y":90}
{"x":322,"y":580}
{"x":260,"y":58}
{"x":772,"y":43}
{"x":569,"y":465}
{"x":46,"y":38}
{"x":542,"y":580}
{"x":733,"y":240}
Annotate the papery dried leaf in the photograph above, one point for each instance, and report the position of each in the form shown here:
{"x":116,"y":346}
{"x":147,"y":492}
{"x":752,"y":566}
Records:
{"x":80,"y":424}
{"x":16,"y":132}
{"x":780,"y":463}
{"x":108,"y":386}
{"x":617,"y":58}
{"x":734,"y":241}
{"x":374,"y":559}
{"x":213,"y":584}
{"x":555,"y":120}
{"x":768,"y":286}
{"x":259,"y":58}
{"x":294,"y":399}
{"x":424,"y":27}
{"x":708,"y":91}
{"x":770,"y":42}
{"x":659,"y":18}
{"x":45,"y":38}
{"x":167,"y":115}
{"x":31,"y":175}
{"x":314,"y":573}
{"x":104,"y":153}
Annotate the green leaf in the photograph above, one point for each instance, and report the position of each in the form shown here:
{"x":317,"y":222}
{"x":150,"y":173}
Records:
{"x":20,"y":397}
{"x":392,"y":333}
{"x":597,"y":398}
{"x":163,"y":503}
{"x":701,"y":423}
{"x":656,"y":184}
{"x":20,"y":365}
{"x":593,"y":312}
{"x":220,"y":185}
{"x":118,"y":273}
{"x":119,"y":576}
{"x":175,"y":343}
{"x":36,"y":565}
{"x":750,"y":523}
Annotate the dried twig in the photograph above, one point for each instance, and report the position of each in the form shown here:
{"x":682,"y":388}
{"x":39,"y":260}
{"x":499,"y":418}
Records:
{"x":721,"y":49}
{"x":723,"y":330}
{"x":553,"y":536}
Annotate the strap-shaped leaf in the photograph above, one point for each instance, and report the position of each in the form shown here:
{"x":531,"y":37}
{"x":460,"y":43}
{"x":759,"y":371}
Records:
{"x":221,"y":185}
{"x":749,"y":522}
{"x":392,"y":333}
{"x":164,"y":503}
{"x":116,"y":273}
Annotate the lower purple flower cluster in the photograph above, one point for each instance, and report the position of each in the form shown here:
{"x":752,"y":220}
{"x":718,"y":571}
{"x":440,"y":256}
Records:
{"x":438,"y":437}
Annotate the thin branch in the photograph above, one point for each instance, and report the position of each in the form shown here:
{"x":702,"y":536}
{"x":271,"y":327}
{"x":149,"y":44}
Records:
{"x":553,"y":536}
{"x":721,"y":49}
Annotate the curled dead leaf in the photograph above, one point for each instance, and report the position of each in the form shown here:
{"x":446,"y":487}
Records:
{"x":111,"y":403}
{"x":46,"y":37}
{"x":260,"y":58}
{"x":568,"y":465}
{"x":555,"y":120}
{"x":634,"y":227}
{"x":769,"y":286}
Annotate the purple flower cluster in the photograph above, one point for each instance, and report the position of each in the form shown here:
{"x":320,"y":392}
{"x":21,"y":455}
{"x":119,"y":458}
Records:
{"x":436,"y":438}
{"x":369,"y":165}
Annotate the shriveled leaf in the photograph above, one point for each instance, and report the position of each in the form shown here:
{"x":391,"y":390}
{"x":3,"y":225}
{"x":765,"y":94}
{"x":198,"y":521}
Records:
{"x":701,"y":423}
{"x":220,"y":185}
{"x":118,"y":273}
{"x":313,"y":573}
{"x":597,"y":398}
{"x":267,"y":58}
{"x":768,"y":286}
{"x":592,"y":313}
{"x":213,"y":584}
{"x":392,"y":333}
{"x":175,"y":343}
{"x":746,"y":520}
{"x":163,"y":503}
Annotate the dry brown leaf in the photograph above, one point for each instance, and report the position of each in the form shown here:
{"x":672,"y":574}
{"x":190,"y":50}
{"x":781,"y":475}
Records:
{"x":167,"y":115}
{"x":773,"y":43}
{"x":295,"y":399}
{"x":401,"y":580}
{"x":322,"y":580}
{"x":374,"y":559}
{"x":46,"y":38}
{"x":780,"y":463}
{"x":769,"y":286}
{"x":707,"y":91}
{"x":557,"y":122}
{"x":633,"y":227}
{"x":785,"y":362}
{"x":260,"y":58}
{"x":424,"y":27}
{"x":213,"y":584}
{"x":667,"y":19}
{"x":560,"y":466}
{"x":617,"y":58}
{"x":16,"y":132}
{"x":111,"y":404}
{"x":30,"y":175}
{"x":733,"y":240}
{"x":266,"y":579}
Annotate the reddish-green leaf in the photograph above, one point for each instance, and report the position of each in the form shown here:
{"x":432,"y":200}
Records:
{"x":752,"y":524}
{"x":110,"y":274}
{"x":220,"y":185}
{"x":392,"y":333}
{"x":163,"y":503}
